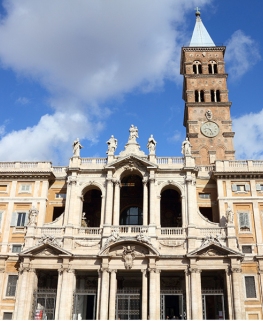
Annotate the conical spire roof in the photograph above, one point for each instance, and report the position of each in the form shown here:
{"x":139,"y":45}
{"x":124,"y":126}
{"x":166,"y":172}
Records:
{"x":200,"y":37}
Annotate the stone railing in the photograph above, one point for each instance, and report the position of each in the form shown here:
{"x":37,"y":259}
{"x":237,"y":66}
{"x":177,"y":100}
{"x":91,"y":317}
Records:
{"x":239,"y":166}
{"x":130,"y":229}
{"x":24,"y":166}
{"x":53,"y":231}
{"x":88,"y":231}
{"x":169,"y":160}
{"x":214,"y":231}
{"x":96,"y":161}
{"x":172,"y":231}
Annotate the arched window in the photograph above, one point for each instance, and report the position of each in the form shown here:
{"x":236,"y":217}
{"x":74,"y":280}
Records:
{"x":131,"y":216}
{"x":197,"y":67}
{"x":92,"y":208}
{"x":171,"y":212}
{"x":212,"y":67}
{"x":199,"y":96}
{"x":218,"y":96}
{"x":215,"y":96}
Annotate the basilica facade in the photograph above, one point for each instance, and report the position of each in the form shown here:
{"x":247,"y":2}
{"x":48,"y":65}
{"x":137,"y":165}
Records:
{"x":135,"y":235}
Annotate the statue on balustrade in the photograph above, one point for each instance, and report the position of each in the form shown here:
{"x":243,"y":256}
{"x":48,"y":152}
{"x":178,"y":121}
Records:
{"x":151,"y":145}
{"x":76,"y":148}
{"x":112,"y":145}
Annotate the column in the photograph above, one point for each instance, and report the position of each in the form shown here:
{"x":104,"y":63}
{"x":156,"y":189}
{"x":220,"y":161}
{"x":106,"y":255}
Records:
{"x":116,"y":214}
{"x":69,"y":208}
{"x":58,"y":297}
{"x":229,"y":294}
{"x":145,"y":202}
{"x":196,"y":294}
{"x":98,"y":296}
{"x":144,"y":294}
{"x":158,"y":294}
{"x":187,"y":294}
{"x":66,"y":297}
{"x":260,"y":277}
{"x":237,"y":294}
{"x":152,"y":296}
{"x":104,"y":302}
{"x":113,"y":291}
{"x":152,"y":201}
{"x":24,"y":293}
{"x":109,"y":199}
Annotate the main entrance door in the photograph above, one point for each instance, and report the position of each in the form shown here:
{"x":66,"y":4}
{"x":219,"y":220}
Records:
{"x":128,"y":305}
{"x":172,"y":305}
{"x":213,"y":306}
{"x":44,"y":304}
{"x":84,"y":306}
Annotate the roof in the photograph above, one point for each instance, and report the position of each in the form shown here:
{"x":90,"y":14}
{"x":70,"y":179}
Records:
{"x":200,"y":37}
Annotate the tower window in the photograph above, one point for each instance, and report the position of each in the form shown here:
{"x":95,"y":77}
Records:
{"x":199,"y":96}
{"x":215,"y":96}
{"x":212,"y":67}
{"x":197,"y":67}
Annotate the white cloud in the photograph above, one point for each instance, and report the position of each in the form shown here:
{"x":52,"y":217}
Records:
{"x":22,"y":101}
{"x":176,"y":137}
{"x":249,"y":136}
{"x":85,"y":52}
{"x":241,"y":55}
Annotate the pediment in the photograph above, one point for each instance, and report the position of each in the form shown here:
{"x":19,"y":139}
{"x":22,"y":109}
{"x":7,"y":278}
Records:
{"x":45,"y":248}
{"x":214,"y":249}
{"x":131,"y":162}
{"x":139,"y":249}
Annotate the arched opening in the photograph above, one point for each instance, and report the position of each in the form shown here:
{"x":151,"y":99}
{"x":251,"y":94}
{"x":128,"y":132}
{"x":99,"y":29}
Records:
{"x":131,"y":200}
{"x":197,"y":67}
{"x":171,"y":208}
{"x":199,"y":96}
{"x":92,"y":208}
{"x":218,"y":96}
{"x":212,"y":67}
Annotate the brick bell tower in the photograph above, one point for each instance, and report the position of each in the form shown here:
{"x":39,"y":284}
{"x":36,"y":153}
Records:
{"x":207,"y":108}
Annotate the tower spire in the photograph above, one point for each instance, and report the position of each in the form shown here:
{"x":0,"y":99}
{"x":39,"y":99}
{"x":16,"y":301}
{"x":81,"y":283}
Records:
{"x":200,"y":37}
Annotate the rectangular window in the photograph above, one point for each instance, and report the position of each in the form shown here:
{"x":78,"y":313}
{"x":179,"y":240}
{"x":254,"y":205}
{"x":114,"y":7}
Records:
{"x":244,"y":223}
{"x":16,"y":248}
{"x":21,"y":218}
{"x":61,"y":195}
{"x":11,"y":285}
{"x":259,"y":187}
{"x":25,"y":188}
{"x":3,"y":188}
{"x":250,"y":287}
{"x":246,"y":249}
{"x":242,"y":188}
{"x":7,"y":316}
{"x":205,"y":195}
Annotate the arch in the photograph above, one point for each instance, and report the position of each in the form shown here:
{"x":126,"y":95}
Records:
{"x":197,"y":67}
{"x":92,"y":202}
{"x":170,"y":207}
{"x":212,"y":67}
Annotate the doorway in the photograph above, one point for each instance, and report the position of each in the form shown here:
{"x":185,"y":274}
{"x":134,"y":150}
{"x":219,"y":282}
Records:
{"x":172,"y":306}
{"x":84,"y":306}
{"x":213,"y":306}
{"x":128,"y":306}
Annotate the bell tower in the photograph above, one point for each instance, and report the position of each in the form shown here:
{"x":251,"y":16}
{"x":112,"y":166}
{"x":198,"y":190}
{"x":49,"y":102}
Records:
{"x":207,"y":108}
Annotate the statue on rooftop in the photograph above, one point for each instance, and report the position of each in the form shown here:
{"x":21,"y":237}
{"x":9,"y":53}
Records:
{"x":112,"y":145}
{"x":133,"y":134}
{"x":76,"y":148}
{"x":151,"y":145}
{"x":186,"y":147}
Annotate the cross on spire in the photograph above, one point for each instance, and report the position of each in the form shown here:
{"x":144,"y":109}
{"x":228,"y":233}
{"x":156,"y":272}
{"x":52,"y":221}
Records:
{"x":197,"y":12}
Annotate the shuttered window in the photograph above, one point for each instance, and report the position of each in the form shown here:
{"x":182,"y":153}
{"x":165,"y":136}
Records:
{"x":244,"y":223}
{"x":19,"y":219}
{"x":11,"y":285}
{"x":250,"y":287}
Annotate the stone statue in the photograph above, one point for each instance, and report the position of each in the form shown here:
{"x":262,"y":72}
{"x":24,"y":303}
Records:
{"x":186,"y":147}
{"x":32,"y":216}
{"x":76,"y":148}
{"x":112,"y":145}
{"x":113,"y":237}
{"x":143,"y":237}
{"x":128,"y":256}
{"x":133,"y":133}
{"x":229,"y":215}
{"x":151,"y":145}
{"x":208,"y":114}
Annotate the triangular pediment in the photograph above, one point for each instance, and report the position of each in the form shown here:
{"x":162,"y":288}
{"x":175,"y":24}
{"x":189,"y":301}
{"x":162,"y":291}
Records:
{"x":132,"y":162}
{"x":214,"y":249}
{"x":46,"y":248}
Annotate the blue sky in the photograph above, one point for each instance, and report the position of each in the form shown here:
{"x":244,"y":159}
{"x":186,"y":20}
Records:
{"x":90,"y":69}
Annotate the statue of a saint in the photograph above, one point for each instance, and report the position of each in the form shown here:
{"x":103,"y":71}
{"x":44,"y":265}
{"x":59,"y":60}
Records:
{"x":76,"y":148}
{"x":133,"y":133}
{"x":32,"y":216}
{"x":112,"y":145}
{"x":151,"y":145}
{"x":229,"y":215}
{"x":186,"y":147}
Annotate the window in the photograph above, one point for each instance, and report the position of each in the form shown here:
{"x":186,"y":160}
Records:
{"x":241,"y":188}
{"x":246,"y":249}
{"x":250,"y":287}
{"x":205,"y":195}
{"x":131,"y":216}
{"x":16,"y":248}
{"x":212,"y":67}
{"x":3,"y":188}
{"x":61,"y":195}
{"x":244,"y":223}
{"x":7,"y":316}
{"x":11,"y":285}
{"x":19,"y":219}
{"x":199,"y":96}
{"x":259,"y":187}
{"x":215,"y":96}
{"x":197,"y":67}
{"x":25,"y":188}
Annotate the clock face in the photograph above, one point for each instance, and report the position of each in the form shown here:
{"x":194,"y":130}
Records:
{"x":210,"y":129}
